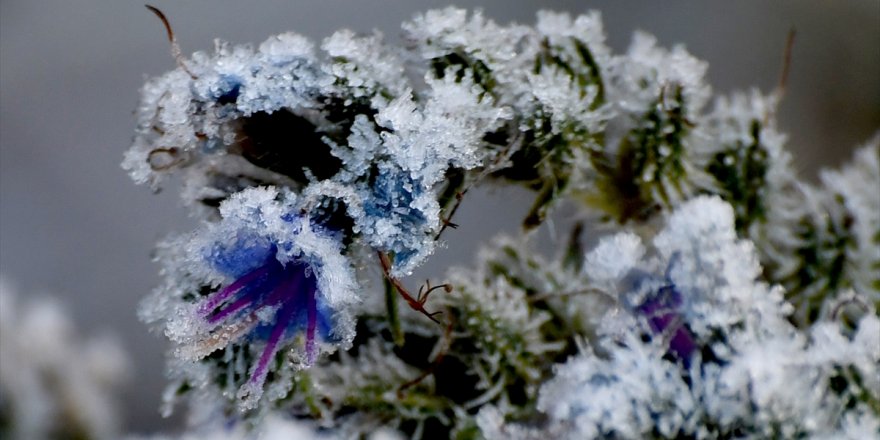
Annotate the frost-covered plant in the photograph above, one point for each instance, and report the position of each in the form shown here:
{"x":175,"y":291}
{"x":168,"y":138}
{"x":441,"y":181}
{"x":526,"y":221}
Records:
{"x":52,"y":385}
{"x":719,"y":361}
{"x":738,"y":301}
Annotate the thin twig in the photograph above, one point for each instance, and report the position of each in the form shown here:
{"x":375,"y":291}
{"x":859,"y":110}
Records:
{"x":447,"y":222}
{"x":447,"y":342}
{"x":783,"y":75}
{"x":786,"y":61}
{"x":511,"y":148}
{"x":175,"y":48}
{"x":427,"y":288}
{"x":413,"y":301}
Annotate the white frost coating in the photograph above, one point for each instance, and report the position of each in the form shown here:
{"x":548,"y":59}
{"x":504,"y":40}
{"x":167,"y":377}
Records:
{"x":587,"y":27}
{"x":372,"y":366}
{"x":274,"y":426}
{"x":366,"y":64}
{"x":450,"y":28}
{"x":287,"y":47}
{"x":447,"y":132}
{"x":613,"y":257}
{"x":859,"y":181}
{"x":50,"y":381}
{"x":199,"y":127}
{"x":702,"y":233}
{"x":558,"y":94}
{"x":628,"y":395}
{"x":251,"y":221}
{"x":731,"y":119}
{"x":648,"y":72}
{"x":764,"y":376}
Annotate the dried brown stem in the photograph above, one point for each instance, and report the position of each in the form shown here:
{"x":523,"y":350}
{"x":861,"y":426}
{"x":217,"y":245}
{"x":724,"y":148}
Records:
{"x":502,"y":158}
{"x":427,"y":288}
{"x":447,"y":222}
{"x":786,"y":60}
{"x":175,"y":48}
{"x":416,"y":303}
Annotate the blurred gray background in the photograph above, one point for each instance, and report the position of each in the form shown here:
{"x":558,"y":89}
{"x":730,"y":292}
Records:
{"x":72,"y":223}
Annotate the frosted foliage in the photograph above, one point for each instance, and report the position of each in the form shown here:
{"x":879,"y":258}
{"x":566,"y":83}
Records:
{"x":492,"y":425}
{"x":192,"y":116}
{"x":558,"y":95}
{"x":742,"y":131}
{"x":559,"y":27}
{"x":421,"y":143}
{"x":365,"y":65}
{"x":497,"y":312}
{"x":447,"y":132}
{"x":732,"y":117}
{"x":628,"y":396}
{"x":372,"y":376}
{"x":613,"y":257}
{"x":724,"y":298}
{"x":648,"y":72}
{"x":510,"y":52}
{"x":561,"y":93}
{"x":856,"y":185}
{"x":755,"y":369}
{"x":52,"y":382}
{"x":448,"y":30}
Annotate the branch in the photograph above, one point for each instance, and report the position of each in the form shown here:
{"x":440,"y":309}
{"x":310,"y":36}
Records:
{"x":416,"y":303}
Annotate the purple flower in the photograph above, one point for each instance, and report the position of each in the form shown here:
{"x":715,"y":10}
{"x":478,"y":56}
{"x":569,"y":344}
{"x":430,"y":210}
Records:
{"x":286,"y":290}
{"x":268,"y":302}
{"x":661,"y":309}
{"x":286,"y":295}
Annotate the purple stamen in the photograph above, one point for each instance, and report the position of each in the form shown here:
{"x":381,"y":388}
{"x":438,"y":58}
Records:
{"x":287,"y":289}
{"x":312,"y":312}
{"x":249,"y":299}
{"x":259,"y":374}
{"x":217,"y":298}
{"x":239,"y":304}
